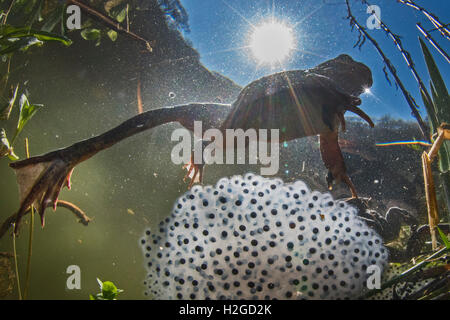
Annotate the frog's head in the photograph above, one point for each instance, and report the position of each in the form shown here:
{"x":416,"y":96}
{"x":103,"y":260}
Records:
{"x":351,"y":77}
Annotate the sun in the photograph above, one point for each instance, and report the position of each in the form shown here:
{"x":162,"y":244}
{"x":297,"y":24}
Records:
{"x":271,"y":42}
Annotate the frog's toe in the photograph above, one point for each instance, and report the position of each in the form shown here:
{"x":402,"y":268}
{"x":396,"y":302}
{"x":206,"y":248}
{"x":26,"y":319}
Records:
{"x":362,"y":114}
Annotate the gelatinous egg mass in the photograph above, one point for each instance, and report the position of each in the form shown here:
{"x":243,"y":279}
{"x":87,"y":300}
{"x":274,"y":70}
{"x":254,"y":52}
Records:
{"x":258,"y":238}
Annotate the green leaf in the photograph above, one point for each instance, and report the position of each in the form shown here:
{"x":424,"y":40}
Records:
{"x":100,"y":283}
{"x":112,"y":35}
{"x":439,"y":108}
{"x":109,"y":290}
{"x":90,"y":34}
{"x":27,"y":111}
{"x":431,"y":111}
{"x":12,"y":156}
{"x":5,"y":147}
{"x":6,"y":111}
{"x":119,"y":12}
{"x":12,"y":35}
{"x":121,"y":15}
{"x":53,"y":18}
{"x":20,"y":45}
{"x":443,"y":100}
{"x":35,"y":14}
{"x":444,"y":238}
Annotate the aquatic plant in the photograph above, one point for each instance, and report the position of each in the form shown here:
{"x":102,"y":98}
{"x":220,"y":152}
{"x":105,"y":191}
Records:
{"x":438,"y":109}
{"x":108,"y":291}
{"x":363,"y":35}
{"x":426,"y":278}
{"x":437,"y":104}
{"x":258,"y":238}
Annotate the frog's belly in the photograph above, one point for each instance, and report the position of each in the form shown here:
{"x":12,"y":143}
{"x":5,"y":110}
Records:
{"x":293,"y":118}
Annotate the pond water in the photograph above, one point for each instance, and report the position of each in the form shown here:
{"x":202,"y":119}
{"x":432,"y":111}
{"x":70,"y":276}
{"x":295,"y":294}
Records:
{"x":206,"y":52}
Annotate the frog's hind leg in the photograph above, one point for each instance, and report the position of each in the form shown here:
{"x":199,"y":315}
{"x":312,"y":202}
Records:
{"x":350,"y":184}
{"x":194,"y":172}
{"x":334,"y":161}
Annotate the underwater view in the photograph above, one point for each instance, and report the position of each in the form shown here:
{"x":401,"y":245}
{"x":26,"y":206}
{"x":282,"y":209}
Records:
{"x":224,"y":150}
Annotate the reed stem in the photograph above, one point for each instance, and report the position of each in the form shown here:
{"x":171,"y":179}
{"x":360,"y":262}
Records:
{"x":30,"y":240}
{"x":15,"y":263}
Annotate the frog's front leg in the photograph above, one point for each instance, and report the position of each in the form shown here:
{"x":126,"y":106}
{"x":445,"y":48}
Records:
{"x":334,"y":161}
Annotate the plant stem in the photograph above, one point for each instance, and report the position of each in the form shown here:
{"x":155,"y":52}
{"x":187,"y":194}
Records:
{"x":15,"y":263}
{"x":433,"y":18}
{"x":110,"y":23}
{"x":404,"y":275}
{"x":409,"y":99}
{"x":83,"y":218}
{"x":7,"y":12}
{"x":433,"y":42}
{"x":30,"y":240}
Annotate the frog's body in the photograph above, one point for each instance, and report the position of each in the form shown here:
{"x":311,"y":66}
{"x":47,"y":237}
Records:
{"x":302,"y":103}
{"x":299,"y":103}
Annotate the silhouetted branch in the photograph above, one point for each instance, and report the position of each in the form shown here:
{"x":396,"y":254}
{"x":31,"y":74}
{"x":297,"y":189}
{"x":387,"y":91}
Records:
{"x":83,"y":218}
{"x":110,"y":23}
{"x":433,"y":18}
{"x":433,"y":42}
{"x":409,"y":99}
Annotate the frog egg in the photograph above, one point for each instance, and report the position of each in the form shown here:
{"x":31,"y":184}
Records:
{"x":258,"y":238}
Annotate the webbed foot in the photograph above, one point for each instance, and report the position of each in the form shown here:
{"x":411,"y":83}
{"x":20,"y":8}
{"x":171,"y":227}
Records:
{"x":194,"y":172}
{"x":40,"y":181}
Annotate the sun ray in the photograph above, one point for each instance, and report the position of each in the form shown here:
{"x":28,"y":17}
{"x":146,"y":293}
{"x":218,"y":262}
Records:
{"x":225,"y":50}
{"x":308,"y":15}
{"x":311,"y":53}
{"x":257,"y":67}
{"x":273,"y":10}
{"x":239,"y":14}
{"x":304,"y":118}
{"x":203,"y":54}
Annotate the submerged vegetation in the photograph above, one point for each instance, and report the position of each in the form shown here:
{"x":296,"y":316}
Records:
{"x":152,"y":34}
{"x":108,"y":291}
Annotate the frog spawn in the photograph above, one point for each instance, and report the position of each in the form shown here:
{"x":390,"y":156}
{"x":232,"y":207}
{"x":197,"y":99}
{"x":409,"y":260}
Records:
{"x":258,"y":238}
{"x":403,"y":288}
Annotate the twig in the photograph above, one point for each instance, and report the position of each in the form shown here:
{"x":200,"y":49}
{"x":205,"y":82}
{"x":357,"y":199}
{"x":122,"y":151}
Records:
{"x":433,"y":18}
{"x":111,"y":23}
{"x":433,"y":42}
{"x":443,"y":281}
{"x":5,"y":17}
{"x":83,"y":218}
{"x":409,"y":99}
{"x":406,"y":274}
{"x":139,"y":96}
